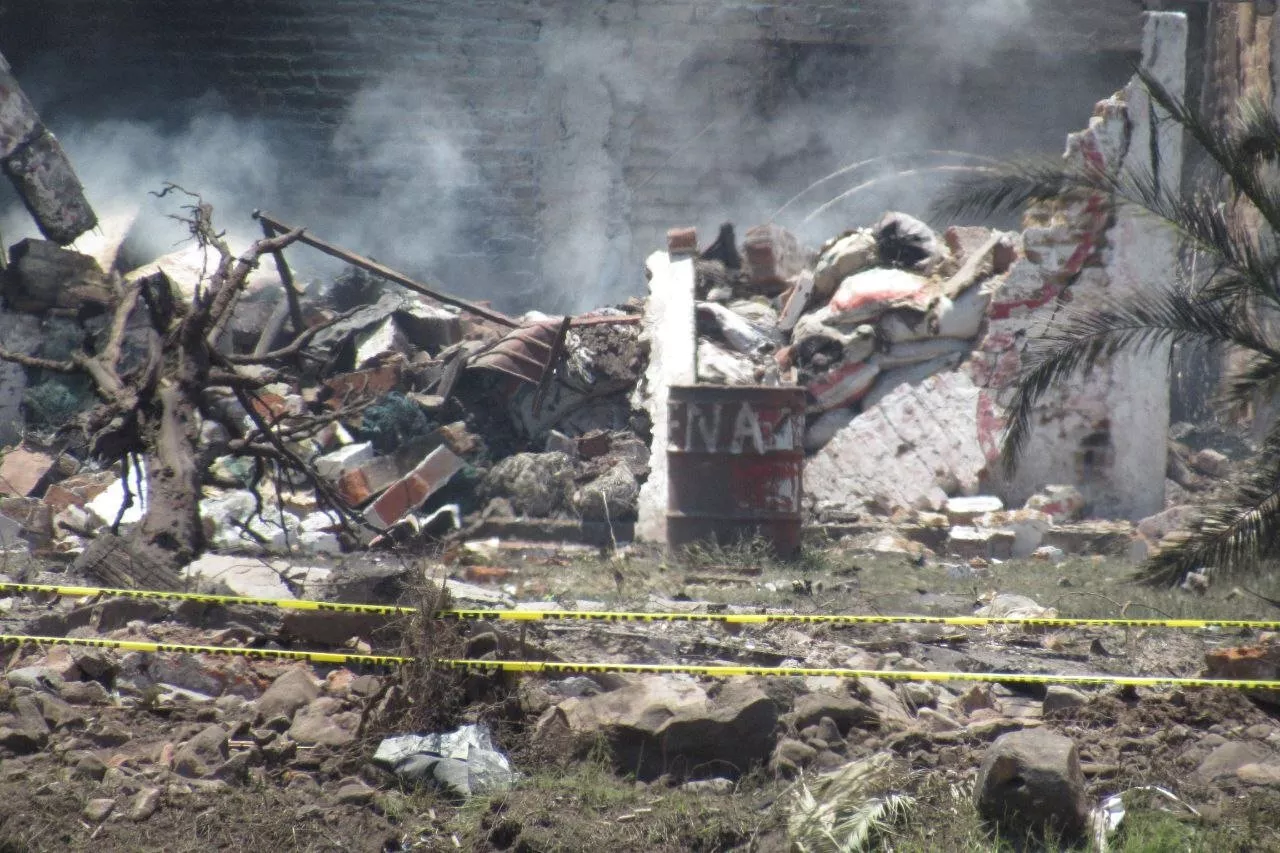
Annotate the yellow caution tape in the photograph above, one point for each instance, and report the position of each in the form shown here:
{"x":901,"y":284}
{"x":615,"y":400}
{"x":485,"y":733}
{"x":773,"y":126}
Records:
{"x":715,"y":671}
{"x":611,"y":616}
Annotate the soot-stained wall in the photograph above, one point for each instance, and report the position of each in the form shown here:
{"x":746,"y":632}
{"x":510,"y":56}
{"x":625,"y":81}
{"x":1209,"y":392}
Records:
{"x":533,"y":151}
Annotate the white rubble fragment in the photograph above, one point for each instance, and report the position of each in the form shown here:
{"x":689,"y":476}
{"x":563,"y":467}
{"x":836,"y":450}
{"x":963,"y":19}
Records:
{"x":106,"y":506}
{"x":379,"y":341}
{"x":736,"y":330}
{"x":334,"y":464}
{"x":245,"y":576}
{"x":962,"y":510}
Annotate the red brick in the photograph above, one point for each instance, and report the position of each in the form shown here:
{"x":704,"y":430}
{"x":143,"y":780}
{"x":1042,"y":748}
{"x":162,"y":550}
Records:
{"x":24,"y":473}
{"x":594,"y":444}
{"x":373,"y":382}
{"x":486,"y":574}
{"x":414,"y":488}
{"x":360,"y":484}
{"x":78,"y":490}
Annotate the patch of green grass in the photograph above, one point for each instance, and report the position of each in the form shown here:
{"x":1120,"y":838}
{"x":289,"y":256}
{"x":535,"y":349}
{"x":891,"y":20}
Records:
{"x":585,"y":806}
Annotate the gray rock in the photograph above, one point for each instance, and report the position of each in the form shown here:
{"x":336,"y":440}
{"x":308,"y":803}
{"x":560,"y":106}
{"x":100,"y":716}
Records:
{"x":1031,"y":780}
{"x":58,"y":714}
{"x":709,"y":786}
{"x":1229,"y":757}
{"x":144,"y":804}
{"x":39,"y":678}
{"x":291,"y":691}
{"x":322,"y":723}
{"x":537,"y":484}
{"x":610,"y":497}
{"x":85,"y":693}
{"x":90,"y":766}
{"x":199,"y":756}
{"x":660,"y":725}
{"x":1060,"y":698}
{"x":844,"y":710}
{"x":829,"y":731}
{"x":98,"y":810}
{"x":796,"y":752}
{"x":353,"y":792}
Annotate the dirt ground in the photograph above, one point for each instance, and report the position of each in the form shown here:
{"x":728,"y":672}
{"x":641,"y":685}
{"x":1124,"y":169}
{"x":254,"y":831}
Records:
{"x":1127,"y":739}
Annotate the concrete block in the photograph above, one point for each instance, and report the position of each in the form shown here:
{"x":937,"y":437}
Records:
{"x":245,"y":576}
{"x":415,"y":487}
{"x":379,"y":341}
{"x":333,"y":465}
{"x":42,"y":175}
{"x":964,"y":510}
{"x":908,"y":452}
{"x":670,"y":331}
{"x":969,"y":542}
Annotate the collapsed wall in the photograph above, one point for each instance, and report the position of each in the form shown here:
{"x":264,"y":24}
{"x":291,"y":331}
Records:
{"x":1106,"y":432}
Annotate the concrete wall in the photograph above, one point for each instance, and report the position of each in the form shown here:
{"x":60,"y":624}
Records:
{"x":571,"y":135}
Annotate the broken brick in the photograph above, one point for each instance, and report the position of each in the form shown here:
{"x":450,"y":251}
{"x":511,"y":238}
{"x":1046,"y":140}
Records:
{"x":373,"y":382}
{"x":359,"y":484}
{"x":25,"y":473}
{"x":78,"y":490}
{"x":414,"y":488}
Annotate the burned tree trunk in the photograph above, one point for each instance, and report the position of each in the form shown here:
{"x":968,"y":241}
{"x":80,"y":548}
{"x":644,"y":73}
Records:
{"x":154,"y":412}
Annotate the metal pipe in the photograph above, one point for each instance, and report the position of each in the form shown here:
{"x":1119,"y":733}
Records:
{"x":390,"y":274}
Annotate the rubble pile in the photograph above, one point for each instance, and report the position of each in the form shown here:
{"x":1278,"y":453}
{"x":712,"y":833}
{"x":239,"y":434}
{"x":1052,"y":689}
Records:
{"x":427,"y":413}
{"x":878,"y":308}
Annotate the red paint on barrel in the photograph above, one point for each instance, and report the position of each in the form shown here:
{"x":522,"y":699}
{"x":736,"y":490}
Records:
{"x":735,"y":465}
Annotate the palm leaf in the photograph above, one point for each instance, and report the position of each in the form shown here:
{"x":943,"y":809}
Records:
{"x":1236,"y":534}
{"x":1077,"y":343}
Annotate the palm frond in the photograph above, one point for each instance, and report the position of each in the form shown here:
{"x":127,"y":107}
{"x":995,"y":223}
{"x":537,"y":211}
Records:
{"x":1222,"y":148}
{"x":1234,"y":535}
{"x":1006,"y":188}
{"x":1081,"y":339}
{"x":1258,"y":378}
{"x":1255,"y":132}
{"x":844,"y":811}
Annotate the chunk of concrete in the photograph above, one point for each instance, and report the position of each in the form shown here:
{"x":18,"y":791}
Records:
{"x":965,"y":510}
{"x":244,"y":576}
{"x":910,"y":451}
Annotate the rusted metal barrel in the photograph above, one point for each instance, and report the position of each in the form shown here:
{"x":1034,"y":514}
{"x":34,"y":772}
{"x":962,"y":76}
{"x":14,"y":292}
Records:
{"x":735,"y":459}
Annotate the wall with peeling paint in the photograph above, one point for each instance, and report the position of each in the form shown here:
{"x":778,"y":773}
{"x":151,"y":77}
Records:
{"x":586,"y":129}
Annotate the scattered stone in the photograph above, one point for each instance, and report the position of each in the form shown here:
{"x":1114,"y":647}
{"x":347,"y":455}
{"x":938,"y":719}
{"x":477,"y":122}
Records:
{"x":199,"y":756}
{"x":1260,"y":774}
{"x":659,"y":725}
{"x":718,"y":786}
{"x":99,"y":809}
{"x":1030,"y":781}
{"x":144,"y":804}
{"x":1061,"y":503}
{"x":289,"y":692}
{"x":1060,"y":698}
{"x":844,"y":711}
{"x":965,"y":510}
{"x":1228,"y":758}
{"x":322,"y":723}
{"x":353,"y":792}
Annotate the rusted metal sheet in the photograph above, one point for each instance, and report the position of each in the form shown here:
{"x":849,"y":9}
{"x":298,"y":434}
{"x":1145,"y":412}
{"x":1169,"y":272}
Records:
{"x":735,"y":465}
{"x":528,"y":353}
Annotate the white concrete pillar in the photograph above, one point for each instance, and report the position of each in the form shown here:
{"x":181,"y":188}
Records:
{"x":670,"y":331}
